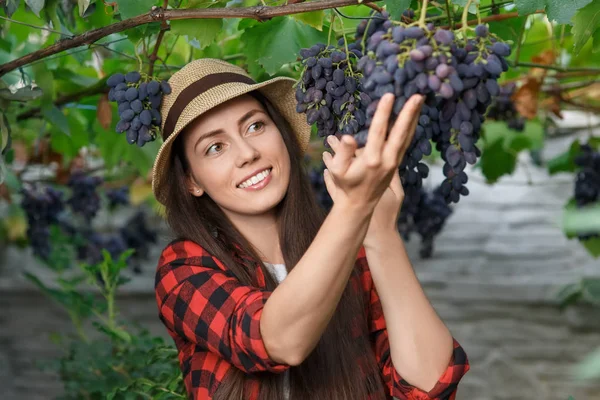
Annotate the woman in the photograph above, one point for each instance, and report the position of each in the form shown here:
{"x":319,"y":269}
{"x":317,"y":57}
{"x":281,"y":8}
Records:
{"x":264,"y":296}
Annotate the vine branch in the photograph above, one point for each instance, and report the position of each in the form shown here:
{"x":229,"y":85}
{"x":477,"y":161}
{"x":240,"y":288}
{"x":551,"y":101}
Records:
{"x":163,"y":28}
{"x":260,"y":13}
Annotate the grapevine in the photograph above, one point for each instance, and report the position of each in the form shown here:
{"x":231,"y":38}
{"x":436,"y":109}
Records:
{"x":457,"y":74}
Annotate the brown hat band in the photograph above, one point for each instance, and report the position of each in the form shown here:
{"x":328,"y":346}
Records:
{"x":196,"y":89}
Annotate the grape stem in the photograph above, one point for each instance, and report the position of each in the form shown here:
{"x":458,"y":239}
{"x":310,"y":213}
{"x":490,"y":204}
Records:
{"x":423,"y":14}
{"x":346,"y":43}
{"x":450,"y":18}
{"x":465,"y":14}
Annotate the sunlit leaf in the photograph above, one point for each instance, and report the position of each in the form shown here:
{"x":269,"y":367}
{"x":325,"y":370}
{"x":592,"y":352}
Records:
{"x":560,"y":11}
{"x":22,"y":94}
{"x":585,"y":24}
{"x":36,"y":5}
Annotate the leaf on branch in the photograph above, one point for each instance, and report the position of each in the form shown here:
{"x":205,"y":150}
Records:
{"x":552,"y":104}
{"x":495,"y":161}
{"x":104,"y":111}
{"x":83,"y":6}
{"x":36,"y":6}
{"x":204,"y":31}
{"x":560,"y":11}
{"x":586,"y":23}
{"x":526,"y":98}
{"x":278,"y":41}
{"x":313,"y":18}
{"x":56,"y":118}
{"x":22,"y":94}
{"x":131,"y":8}
{"x":10,"y":6}
{"x":396,"y":7}
{"x":5,"y":136}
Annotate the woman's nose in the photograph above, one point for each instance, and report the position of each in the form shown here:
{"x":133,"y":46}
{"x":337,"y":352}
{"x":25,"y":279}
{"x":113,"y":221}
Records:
{"x":246,"y":153}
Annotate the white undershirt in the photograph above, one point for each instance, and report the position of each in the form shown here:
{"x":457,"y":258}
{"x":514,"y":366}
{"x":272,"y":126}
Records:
{"x":279,"y":272}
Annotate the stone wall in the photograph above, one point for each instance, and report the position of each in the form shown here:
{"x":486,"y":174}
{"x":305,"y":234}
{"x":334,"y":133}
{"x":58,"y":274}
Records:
{"x":493,"y":279}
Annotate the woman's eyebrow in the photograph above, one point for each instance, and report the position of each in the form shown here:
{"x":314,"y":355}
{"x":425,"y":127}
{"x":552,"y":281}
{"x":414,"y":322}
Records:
{"x":215,"y":132}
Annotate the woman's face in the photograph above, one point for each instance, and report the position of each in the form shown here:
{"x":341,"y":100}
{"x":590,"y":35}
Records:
{"x":237,"y":157}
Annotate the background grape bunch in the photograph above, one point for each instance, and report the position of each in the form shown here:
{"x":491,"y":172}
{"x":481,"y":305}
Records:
{"x":503,"y":108}
{"x":587,"y":181}
{"x":138,"y":100}
{"x":47,"y":207}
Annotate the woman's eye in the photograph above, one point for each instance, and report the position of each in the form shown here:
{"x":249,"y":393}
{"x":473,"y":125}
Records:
{"x":218,"y":146}
{"x":260,"y":124}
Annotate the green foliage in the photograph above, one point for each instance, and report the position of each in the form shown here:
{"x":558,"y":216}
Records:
{"x":560,"y":11}
{"x":118,"y":362}
{"x":396,"y":7}
{"x":586,"y":24}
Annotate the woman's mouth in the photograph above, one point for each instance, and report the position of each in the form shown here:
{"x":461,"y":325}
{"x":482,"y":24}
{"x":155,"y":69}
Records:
{"x":257,"y":181}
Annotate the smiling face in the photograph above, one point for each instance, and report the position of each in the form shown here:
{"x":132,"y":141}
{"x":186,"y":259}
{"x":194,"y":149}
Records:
{"x":237,"y":156}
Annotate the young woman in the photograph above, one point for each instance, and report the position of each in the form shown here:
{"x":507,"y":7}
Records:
{"x":266,"y":297}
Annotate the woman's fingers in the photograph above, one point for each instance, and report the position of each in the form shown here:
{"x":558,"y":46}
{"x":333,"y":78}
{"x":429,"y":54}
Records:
{"x":378,"y":130}
{"x":344,"y":152}
{"x":403,"y":129}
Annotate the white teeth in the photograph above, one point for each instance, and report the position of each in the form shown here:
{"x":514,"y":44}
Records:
{"x":255,"y":179}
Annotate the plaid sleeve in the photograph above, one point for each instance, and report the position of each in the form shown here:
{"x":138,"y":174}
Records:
{"x":446,"y":386}
{"x":201,"y":301}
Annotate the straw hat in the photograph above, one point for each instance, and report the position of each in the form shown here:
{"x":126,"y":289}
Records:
{"x":205,"y":83}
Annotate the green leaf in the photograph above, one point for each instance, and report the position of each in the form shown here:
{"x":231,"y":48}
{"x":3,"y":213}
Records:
{"x":518,"y":143}
{"x":5,"y":136}
{"x":56,"y":118}
{"x":591,"y":290}
{"x":22,"y":94}
{"x":131,"y":8}
{"x":396,"y":7}
{"x":589,"y":368}
{"x":596,"y":39}
{"x":585,"y":24}
{"x":509,"y":29}
{"x":278,"y":41}
{"x":36,"y":6}
{"x":495,"y":161}
{"x":560,"y":11}
{"x":564,"y":162}
{"x":581,"y":220}
{"x":569,"y":294}
{"x":463,"y":3}
{"x":205,"y":31}
{"x":592,"y":246}
{"x":83,"y":6}
{"x":314,"y":18}
{"x":10,"y":6}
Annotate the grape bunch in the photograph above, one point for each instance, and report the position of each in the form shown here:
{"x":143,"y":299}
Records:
{"x":84,"y":199}
{"x":42,"y":206}
{"x":587,"y":181}
{"x":119,"y":196}
{"x":138,"y":100}
{"x":426,"y":218}
{"x":329,"y":92}
{"x":503,"y":108}
{"x":457,"y":76}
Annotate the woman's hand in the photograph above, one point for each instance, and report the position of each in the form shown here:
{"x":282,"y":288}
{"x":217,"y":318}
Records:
{"x":360,"y":178}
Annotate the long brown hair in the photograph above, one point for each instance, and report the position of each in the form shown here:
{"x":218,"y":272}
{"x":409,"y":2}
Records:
{"x":337,"y":367}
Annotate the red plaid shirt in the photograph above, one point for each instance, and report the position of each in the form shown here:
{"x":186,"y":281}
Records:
{"x":214,"y":321}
